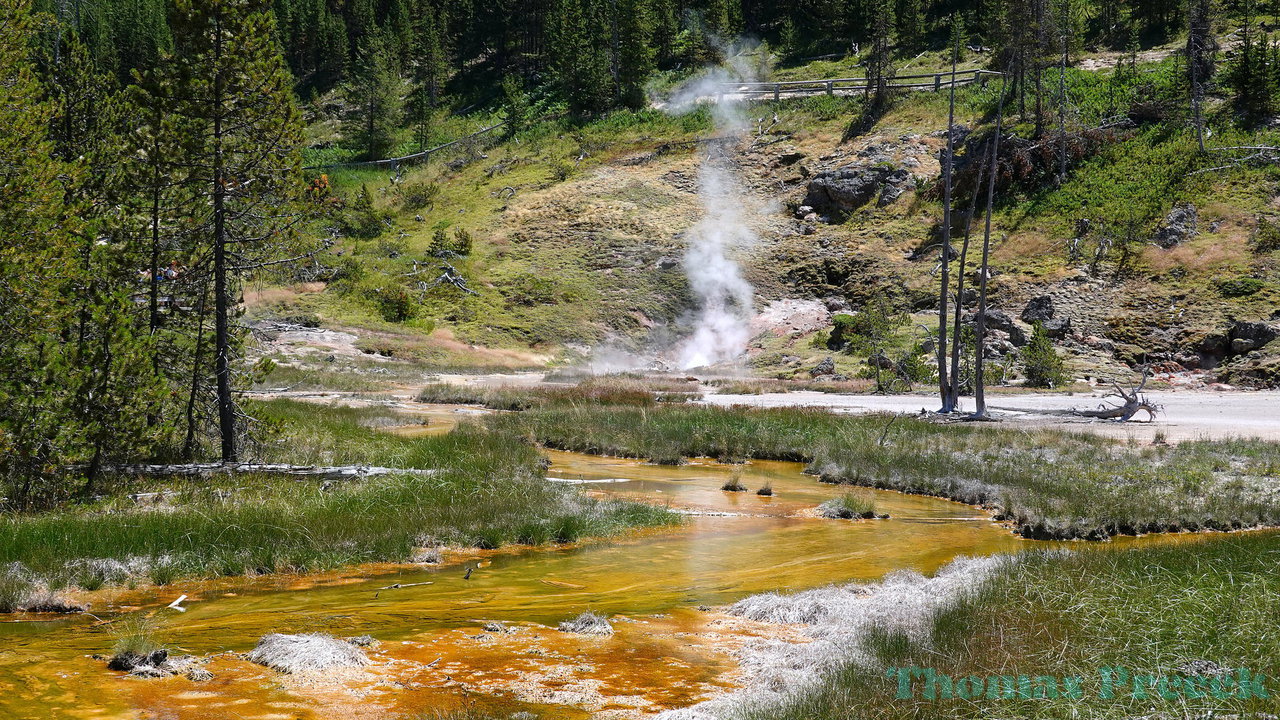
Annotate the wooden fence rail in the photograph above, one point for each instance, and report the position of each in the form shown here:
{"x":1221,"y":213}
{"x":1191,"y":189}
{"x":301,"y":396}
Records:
{"x":830,"y":86}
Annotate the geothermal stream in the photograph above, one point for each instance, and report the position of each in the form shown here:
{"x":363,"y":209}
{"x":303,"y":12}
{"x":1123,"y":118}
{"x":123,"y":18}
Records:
{"x":665,"y":590}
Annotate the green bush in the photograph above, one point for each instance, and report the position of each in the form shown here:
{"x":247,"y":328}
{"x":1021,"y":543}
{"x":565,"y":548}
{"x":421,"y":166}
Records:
{"x":1041,"y":363}
{"x":1266,"y":237}
{"x":1239,"y":287}
{"x":362,"y":219}
{"x":415,"y":196}
{"x":394,"y":301}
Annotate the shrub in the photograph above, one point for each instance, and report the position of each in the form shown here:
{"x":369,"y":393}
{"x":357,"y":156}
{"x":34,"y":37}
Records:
{"x":362,"y":219}
{"x":734,"y":483}
{"x":847,"y":507}
{"x":394,"y":302}
{"x":1041,"y":363}
{"x":415,"y":196}
{"x":1266,"y":237}
{"x":1239,"y":287}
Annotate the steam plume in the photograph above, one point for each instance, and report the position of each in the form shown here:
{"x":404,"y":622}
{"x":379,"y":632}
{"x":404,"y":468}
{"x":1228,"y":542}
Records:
{"x":724,"y":297}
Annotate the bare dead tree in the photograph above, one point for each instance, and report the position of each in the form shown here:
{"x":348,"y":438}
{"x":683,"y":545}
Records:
{"x":944,"y":387}
{"x":1199,"y":51}
{"x":960,"y":277}
{"x":980,"y":332}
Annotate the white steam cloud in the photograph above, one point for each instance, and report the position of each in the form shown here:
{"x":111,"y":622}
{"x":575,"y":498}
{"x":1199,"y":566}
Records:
{"x":722,"y":318}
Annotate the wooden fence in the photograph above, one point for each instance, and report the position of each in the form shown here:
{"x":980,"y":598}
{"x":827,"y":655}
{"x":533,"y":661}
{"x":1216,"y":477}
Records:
{"x":846,"y":86}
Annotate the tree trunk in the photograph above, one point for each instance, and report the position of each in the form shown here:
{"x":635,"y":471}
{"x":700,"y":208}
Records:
{"x":221,"y":292}
{"x":944,"y":387}
{"x":980,"y":332}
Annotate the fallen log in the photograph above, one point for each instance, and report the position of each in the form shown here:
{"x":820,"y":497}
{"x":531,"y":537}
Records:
{"x":327,"y":472}
{"x":1134,"y":403}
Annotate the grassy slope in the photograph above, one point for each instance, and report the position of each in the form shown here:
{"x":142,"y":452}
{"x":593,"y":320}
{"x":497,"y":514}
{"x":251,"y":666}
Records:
{"x":1047,"y":483}
{"x":588,"y":247}
{"x":489,"y":491}
{"x":1153,"y":611}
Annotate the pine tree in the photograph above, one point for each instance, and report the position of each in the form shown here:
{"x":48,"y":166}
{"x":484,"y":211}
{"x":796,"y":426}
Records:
{"x":38,"y":270}
{"x":579,"y":36}
{"x":429,"y":68}
{"x":909,"y":25}
{"x":880,"y":59}
{"x":228,"y":85}
{"x":635,"y":57}
{"x":375,"y":105}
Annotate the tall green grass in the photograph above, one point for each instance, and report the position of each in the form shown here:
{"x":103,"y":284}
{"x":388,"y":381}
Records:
{"x":488,"y":490}
{"x":1048,"y":484}
{"x":1164,"y":610}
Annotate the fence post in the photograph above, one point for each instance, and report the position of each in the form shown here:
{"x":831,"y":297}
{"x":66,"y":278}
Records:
{"x":831,"y":88}
{"x":937,"y":83}
{"x":777,"y":92}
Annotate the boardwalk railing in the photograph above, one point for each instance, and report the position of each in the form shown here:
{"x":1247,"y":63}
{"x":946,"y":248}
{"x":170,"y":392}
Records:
{"x":844,"y":86}
{"x":423,"y":156}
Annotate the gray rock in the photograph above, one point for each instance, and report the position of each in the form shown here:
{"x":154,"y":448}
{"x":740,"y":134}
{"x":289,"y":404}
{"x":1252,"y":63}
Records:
{"x":890,"y":194}
{"x":1240,"y":346}
{"x":1000,"y":320}
{"x":835,"y":303}
{"x":1178,"y":226}
{"x":826,"y":367}
{"x":1257,"y":333}
{"x":881,"y":361}
{"x":849,"y":188}
{"x":1038,"y":309}
{"x":1057,"y":327}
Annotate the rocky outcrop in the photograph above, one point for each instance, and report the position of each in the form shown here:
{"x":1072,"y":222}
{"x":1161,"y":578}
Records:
{"x":839,"y":192}
{"x":1038,"y":309}
{"x":1178,"y":226}
{"x":1000,"y":320}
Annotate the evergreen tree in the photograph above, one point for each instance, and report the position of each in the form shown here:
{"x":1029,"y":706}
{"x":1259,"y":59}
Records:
{"x":909,"y":25}
{"x":635,"y":57}
{"x":880,"y":59}
{"x":228,"y":85}
{"x":375,"y":105}
{"x":579,"y":34}
{"x":39,"y":270}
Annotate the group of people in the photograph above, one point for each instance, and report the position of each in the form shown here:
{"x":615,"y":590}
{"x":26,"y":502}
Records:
{"x":173,"y":272}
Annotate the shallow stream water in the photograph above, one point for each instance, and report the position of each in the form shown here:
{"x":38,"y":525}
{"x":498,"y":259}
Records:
{"x":670,"y":647}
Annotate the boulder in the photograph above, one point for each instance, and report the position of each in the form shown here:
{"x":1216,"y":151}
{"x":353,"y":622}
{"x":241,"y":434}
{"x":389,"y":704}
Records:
{"x":846,"y":189}
{"x":826,"y":367}
{"x":1178,"y":226}
{"x":1256,"y":333}
{"x":889,"y":194}
{"x":881,"y":361}
{"x":1000,"y":320}
{"x":1038,"y":309}
{"x":1057,"y":327}
{"x":835,"y":303}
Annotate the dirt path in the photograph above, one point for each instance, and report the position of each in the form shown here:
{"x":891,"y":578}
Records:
{"x":1188,"y":414}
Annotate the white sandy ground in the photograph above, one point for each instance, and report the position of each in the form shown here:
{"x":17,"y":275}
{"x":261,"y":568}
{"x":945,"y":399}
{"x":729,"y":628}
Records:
{"x":1187,"y":414}
{"x":835,"y":621}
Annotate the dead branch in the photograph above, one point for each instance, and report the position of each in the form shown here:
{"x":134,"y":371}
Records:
{"x":1133,"y":402}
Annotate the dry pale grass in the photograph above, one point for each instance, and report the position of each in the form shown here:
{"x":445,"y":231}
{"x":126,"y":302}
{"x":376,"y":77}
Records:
{"x":302,"y":653}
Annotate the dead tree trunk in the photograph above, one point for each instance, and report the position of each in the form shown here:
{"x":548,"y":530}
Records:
{"x":1134,"y":403}
{"x":980,"y":331}
{"x":944,"y":387}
